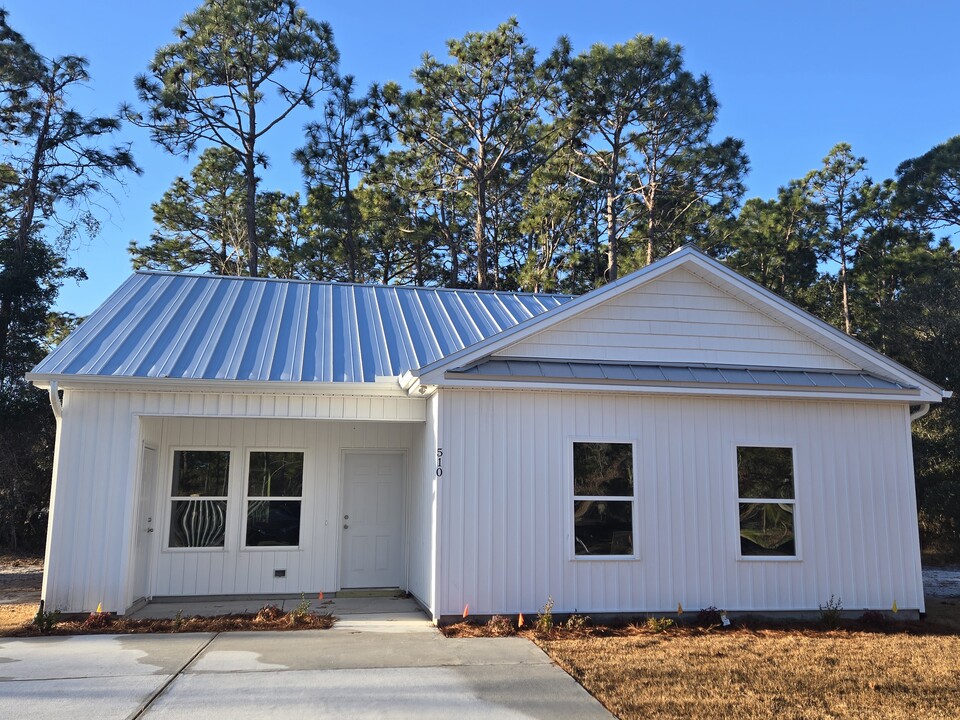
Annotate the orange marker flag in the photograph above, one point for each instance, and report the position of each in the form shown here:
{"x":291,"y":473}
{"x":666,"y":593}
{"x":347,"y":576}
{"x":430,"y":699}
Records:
{"x":320,"y":595}
{"x":466,"y":610}
{"x":520,"y":621}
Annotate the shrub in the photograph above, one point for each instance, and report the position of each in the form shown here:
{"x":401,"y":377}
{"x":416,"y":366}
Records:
{"x":830,"y":613}
{"x":300,"y":613}
{"x":709,"y":617}
{"x":544,"y":623}
{"x":500,"y":626}
{"x":96,"y":621}
{"x":45,"y":621}
{"x":873,"y":620}
{"x":268,"y":613}
{"x":658,"y":625}
{"x":576,"y":622}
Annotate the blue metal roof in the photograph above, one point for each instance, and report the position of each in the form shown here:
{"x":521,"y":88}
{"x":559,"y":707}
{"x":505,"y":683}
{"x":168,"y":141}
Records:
{"x":184,"y":326}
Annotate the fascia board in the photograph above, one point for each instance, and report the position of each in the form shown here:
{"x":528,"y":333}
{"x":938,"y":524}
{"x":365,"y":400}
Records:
{"x":752,"y":392}
{"x":141,"y":384}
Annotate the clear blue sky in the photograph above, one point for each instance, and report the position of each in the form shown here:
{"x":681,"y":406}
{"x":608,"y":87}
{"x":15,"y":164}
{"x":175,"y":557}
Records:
{"x":793,"y":79}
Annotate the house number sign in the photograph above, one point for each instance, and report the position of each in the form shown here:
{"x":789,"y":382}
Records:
{"x":439,"y":462}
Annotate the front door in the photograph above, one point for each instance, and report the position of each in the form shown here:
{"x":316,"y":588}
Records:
{"x":372,"y":515}
{"x":146,"y":512}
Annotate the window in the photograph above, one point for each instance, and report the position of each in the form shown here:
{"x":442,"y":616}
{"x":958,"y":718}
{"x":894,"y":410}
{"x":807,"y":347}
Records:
{"x":766,"y":495}
{"x":274,"y":491}
{"x":603,"y":498}
{"x":198,"y":498}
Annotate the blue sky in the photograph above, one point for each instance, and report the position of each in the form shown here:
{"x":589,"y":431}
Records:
{"x":793,"y":79}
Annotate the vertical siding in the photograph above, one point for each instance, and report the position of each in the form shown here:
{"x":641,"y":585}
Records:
{"x":421,"y":509}
{"x":506,"y":504}
{"x":93,"y":523}
{"x":678,"y":318}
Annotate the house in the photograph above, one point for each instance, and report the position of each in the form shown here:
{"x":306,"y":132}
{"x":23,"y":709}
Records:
{"x":679,"y":436}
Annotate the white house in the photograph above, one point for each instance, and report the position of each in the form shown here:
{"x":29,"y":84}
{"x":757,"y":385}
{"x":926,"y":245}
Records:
{"x":680,"y":436}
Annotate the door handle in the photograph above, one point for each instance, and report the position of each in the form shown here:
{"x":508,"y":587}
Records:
{"x":345,"y":526}
{"x":149,"y":529}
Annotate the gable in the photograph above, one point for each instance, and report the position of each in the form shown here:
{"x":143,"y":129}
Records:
{"x":677,"y":318}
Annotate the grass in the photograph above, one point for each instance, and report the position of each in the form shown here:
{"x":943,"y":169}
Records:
{"x":785,"y":674}
{"x":863,"y":669}
{"x":13,"y":617}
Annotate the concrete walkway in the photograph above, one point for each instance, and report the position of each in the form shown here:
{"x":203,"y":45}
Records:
{"x":370,"y":665}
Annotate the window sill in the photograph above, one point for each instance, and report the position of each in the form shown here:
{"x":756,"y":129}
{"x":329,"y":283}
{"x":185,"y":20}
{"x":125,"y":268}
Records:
{"x":272,"y":548}
{"x":768,"y":558}
{"x":180,"y":550}
{"x":604,"y":558}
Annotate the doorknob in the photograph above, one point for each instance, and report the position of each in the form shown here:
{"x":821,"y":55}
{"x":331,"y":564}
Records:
{"x":345,"y":526}
{"x":149,"y":529}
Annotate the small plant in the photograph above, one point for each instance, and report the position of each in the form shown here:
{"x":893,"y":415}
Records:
{"x":178,"y":620}
{"x":544,"y":623}
{"x":45,"y":621}
{"x":658,"y":625}
{"x":576,"y":622}
{"x":300,"y":612}
{"x":709,"y":617}
{"x":500,"y":626}
{"x":830,"y":613}
{"x":97,"y":620}
{"x":268,"y":613}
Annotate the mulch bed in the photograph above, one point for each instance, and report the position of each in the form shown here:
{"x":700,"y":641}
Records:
{"x":269,"y":618}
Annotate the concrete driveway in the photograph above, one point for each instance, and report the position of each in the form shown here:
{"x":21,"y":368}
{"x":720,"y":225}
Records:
{"x":369,"y":665}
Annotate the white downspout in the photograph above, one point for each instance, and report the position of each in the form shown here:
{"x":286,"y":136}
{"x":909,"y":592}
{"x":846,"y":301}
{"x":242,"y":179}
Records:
{"x":55,"y":400}
{"x":920,"y":412}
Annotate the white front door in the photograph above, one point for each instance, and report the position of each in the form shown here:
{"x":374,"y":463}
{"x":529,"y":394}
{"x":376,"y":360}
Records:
{"x":372,"y":518}
{"x":146,"y":514}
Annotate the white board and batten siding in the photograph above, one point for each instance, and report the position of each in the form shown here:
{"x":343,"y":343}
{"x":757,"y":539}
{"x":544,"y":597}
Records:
{"x":677,"y":318}
{"x":506,"y":507}
{"x":95,"y":520}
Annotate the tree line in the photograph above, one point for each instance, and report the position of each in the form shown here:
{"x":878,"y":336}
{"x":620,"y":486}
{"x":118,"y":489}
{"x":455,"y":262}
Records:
{"x":497,"y":167}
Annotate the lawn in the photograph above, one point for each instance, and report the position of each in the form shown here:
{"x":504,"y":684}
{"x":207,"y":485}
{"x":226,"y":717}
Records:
{"x":783,"y":674}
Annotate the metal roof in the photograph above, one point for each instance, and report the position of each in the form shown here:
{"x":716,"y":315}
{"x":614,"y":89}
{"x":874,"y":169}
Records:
{"x":695,"y":373}
{"x":168,"y":325}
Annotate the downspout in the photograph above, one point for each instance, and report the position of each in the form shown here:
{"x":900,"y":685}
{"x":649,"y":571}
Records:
{"x":58,"y":407}
{"x":920,"y":412}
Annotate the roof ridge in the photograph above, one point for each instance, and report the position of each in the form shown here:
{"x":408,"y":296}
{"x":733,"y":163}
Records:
{"x":336,"y":283}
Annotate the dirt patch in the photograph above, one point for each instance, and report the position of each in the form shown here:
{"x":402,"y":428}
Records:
{"x":20,"y":579}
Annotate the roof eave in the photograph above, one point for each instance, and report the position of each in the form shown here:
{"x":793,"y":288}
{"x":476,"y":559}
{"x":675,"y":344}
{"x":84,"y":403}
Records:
{"x":499,"y":382}
{"x":383,"y":387}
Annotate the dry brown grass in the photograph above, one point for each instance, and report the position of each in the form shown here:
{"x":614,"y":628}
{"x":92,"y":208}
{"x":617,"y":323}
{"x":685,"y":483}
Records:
{"x":782,"y":674}
{"x":16,"y":616}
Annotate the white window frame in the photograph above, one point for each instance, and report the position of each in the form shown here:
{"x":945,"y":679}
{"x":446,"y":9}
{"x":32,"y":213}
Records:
{"x":171,"y":498}
{"x":572,"y":498}
{"x":246,"y":498}
{"x":796,"y":557}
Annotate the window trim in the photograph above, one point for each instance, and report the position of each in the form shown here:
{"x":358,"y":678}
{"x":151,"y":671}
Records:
{"x":795,"y":501}
{"x":245,"y":499}
{"x":571,"y":498}
{"x":170,"y":498}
